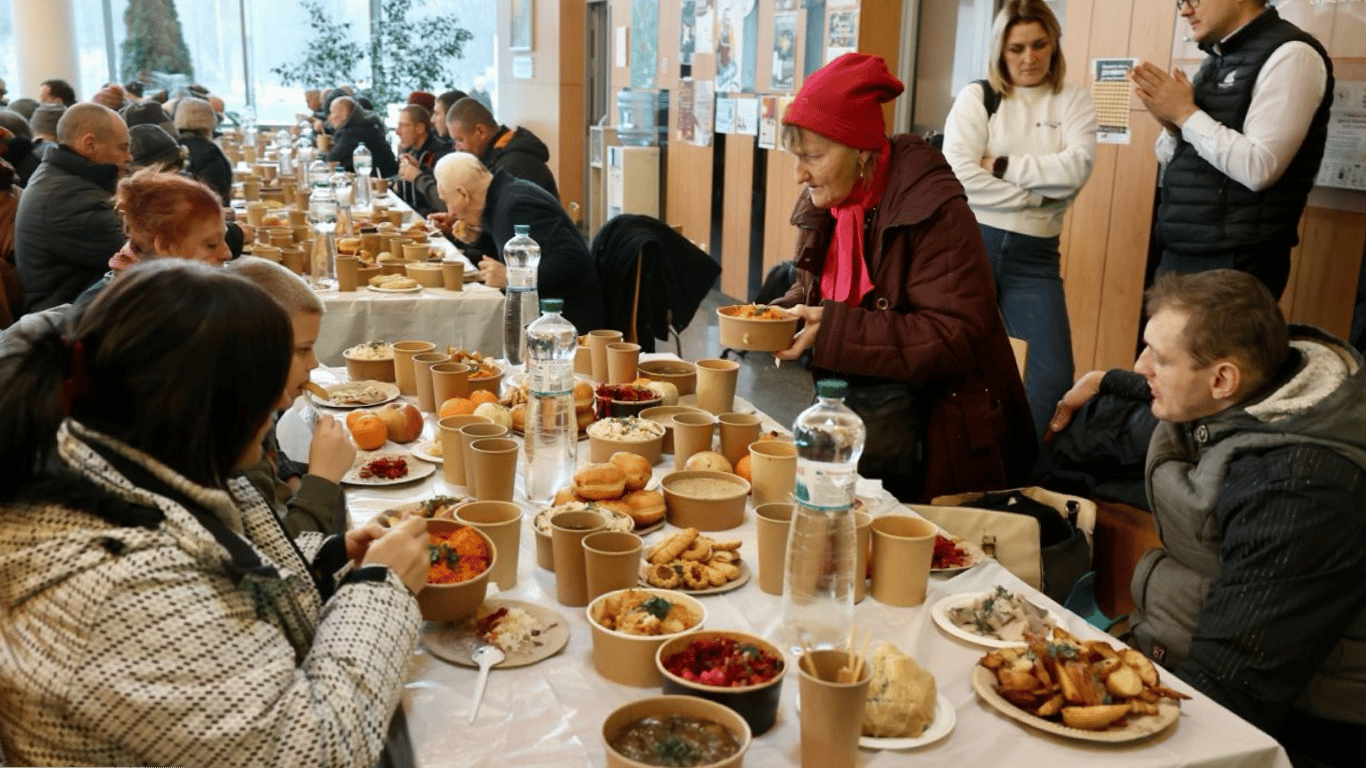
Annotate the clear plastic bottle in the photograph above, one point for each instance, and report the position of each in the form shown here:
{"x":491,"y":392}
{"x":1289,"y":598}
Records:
{"x":322,"y":210}
{"x":522,"y":256}
{"x":362,"y":162}
{"x":818,"y":591}
{"x":551,"y":425}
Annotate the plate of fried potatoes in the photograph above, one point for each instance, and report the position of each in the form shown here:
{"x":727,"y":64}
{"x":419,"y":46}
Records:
{"x":1084,"y":690}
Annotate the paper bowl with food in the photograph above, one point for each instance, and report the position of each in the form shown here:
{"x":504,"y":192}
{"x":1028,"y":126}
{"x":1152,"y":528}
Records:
{"x":622,"y":400}
{"x":458,"y":577}
{"x":629,"y":625}
{"x":373,"y":360}
{"x":680,"y":373}
{"x":744,"y":672}
{"x":613,"y":519}
{"x":484,"y":373}
{"x":755,"y":327}
{"x":631,"y":434}
{"x":675,"y":730}
{"x":707,"y":500}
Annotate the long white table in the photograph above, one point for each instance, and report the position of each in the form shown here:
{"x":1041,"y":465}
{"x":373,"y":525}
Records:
{"x":470,"y":319}
{"x":550,"y":714}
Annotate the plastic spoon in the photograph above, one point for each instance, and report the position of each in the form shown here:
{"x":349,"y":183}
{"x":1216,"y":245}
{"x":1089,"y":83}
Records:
{"x":486,"y":656}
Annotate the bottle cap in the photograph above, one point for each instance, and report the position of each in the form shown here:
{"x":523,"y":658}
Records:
{"x":552,"y":305}
{"x":521,"y":230}
{"x":834,"y":388}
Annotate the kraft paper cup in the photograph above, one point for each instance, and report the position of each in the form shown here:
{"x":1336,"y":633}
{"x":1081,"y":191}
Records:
{"x":738,"y":430}
{"x":282,"y":237}
{"x":863,"y":535}
{"x":415,"y":251}
{"x":902,"y":549}
{"x":772,"y":471}
{"x":495,"y":467}
{"x":583,"y":360}
{"x":774,"y":521}
{"x":396,"y":243}
{"x":422,"y":377}
{"x":301,"y":232}
{"x":449,"y":380}
{"x":453,"y":446}
{"x":567,"y":532}
{"x":832,"y":712}
{"x":267,"y":252}
{"x":298,"y":218}
{"x":501,"y":521}
{"x":395,"y":217}
{"x":453,"y":275}
{"x":292,"y":256}
{"x":692,"y":434}
{"x":364,"y":274}
{"x":256,"y":211}
{"x":348,"y":273}
{"x":716,"y":385}
{"x":468,"y":435}
{"x":611,"y":561}
{"x":403,"y":363}
{"x":597,"y":345}
{"x":622,"y":359}
{"x":372,"y":242}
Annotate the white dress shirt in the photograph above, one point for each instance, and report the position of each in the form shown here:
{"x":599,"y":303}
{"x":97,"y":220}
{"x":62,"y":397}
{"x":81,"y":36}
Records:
{"x":1288,"y":90}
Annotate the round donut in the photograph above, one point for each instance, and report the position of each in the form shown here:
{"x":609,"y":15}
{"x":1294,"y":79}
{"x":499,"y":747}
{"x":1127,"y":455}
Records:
{"x":636,"y":468}
{"x":600,"y":481}
{"x":645,"y":507}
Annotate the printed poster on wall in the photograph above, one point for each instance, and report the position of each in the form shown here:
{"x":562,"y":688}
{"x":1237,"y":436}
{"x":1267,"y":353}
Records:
{"x":704,"y":98}
{"x":644,"y":43}
{"x":704,"y":26}
{"x":843,"y":35}
{"x":784,"y":51}
{"x":725,"y":114}
{"x":1110,"y":88}
{"x":747,"y":115}
{"x":736,"y":32}
{"x":1344,"y":158}
{"x":687,"y":34}
{"x":768,"y":122}
{"x":684,"y":127}
{"x":784,"y":5}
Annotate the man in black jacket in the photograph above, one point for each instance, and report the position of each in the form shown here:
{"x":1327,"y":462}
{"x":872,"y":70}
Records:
{"x":356,"y":126}
{"x":66,"y":228}
{"x":493,"y":203}
{"x":419,"y":148}
{"x":515,"y":150}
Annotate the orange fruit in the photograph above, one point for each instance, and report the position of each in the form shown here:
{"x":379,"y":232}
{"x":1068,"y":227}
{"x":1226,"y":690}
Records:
{"x":742,"y":468}
{"x":352,"y":416}
{"x":368,"y":430}
{"x":481,"y":396}
{"x":456,"y":406}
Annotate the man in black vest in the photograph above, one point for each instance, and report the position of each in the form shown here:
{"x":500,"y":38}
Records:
{"x":1242,"y":142}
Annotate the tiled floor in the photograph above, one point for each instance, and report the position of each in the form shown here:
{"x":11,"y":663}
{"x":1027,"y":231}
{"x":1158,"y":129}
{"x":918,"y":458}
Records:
{"x":781,"y":392}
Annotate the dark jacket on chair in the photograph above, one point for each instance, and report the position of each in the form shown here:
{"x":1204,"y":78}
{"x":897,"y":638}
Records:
{"x":675,"y":276}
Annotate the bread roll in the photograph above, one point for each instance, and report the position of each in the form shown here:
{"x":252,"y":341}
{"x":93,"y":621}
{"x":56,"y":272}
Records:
{"x":614,"y":504}
{"x":564,"y":496}
{"x":348,"y":244}
{"x":584,"y":417}
{"x":645,"y":507}
{"x":709,"y":460}
{"x":583,"y":395}
{"x":637,"y":469}
{"x":519,"y":419}
{"x":901,"y":695}
{"x":600,"y":481}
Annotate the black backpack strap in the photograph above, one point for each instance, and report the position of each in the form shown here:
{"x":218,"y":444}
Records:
{"x":990,"y":98}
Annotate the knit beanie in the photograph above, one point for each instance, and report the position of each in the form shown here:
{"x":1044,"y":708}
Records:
{"x":194,"y":114}
{"x":149,"y":145}
{"x":16,"y":124}
{"x":24,"y":106}
{"x":423,"y":99}
{"x":44,"y":120}
{"x":842,"y":101}
{"x":149,"y":113}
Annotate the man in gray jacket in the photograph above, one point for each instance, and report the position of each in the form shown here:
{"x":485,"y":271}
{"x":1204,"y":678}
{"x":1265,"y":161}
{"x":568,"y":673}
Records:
{"x":66,"y":228}
{"x":1255,"y":475}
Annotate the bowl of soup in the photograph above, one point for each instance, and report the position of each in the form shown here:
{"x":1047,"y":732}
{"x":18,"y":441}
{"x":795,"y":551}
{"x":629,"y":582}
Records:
{"x":675,"y":731}
{"x":679,"y":373}
{"x":705,"y":499}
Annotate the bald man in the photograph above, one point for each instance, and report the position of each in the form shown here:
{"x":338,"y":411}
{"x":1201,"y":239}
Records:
{"x":477,"y":200}
{"x":66,"y":228}
{"x":356,"y":126}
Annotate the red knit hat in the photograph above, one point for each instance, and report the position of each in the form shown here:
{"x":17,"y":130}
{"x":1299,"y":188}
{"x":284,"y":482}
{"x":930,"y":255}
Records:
{"x":842,"y":101}
{"x":422,"y":99}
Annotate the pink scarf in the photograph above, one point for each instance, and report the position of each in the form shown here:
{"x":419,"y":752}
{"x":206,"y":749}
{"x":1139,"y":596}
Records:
{"x":845,"y":275}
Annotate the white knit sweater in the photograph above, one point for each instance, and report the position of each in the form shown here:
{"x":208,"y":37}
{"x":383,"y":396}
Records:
{"x":1050,"y":139}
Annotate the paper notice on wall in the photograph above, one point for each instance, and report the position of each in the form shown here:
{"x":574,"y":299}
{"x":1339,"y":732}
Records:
{"x":768,"y":122}
{"x":1110,"y":89}
{"x":1344,"y":156}
{"x":842,"y":35}
{"x":685,"y":119}
{"x":704,"y":105}
{"x":747,"y":115}
{"x":619,"y":50}
{"x":725,"y":115}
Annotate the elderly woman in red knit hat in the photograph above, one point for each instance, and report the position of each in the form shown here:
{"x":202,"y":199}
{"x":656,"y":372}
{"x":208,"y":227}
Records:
{"x":895,"y":292}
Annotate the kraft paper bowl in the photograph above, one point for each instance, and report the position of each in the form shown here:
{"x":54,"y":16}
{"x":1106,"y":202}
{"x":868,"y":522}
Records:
{"x":752,"y":334}
{"x":689,"y":706}
{"x":453,"y":602}
{"x":680,"y":373}
{"x":720,"y":511}
{"x":369,"y":370}
{"x":757,"y":704}
{"x":630,"y":659}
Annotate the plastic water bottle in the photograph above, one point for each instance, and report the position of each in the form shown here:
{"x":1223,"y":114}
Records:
{"x":551,"y":425}
{"x":522,"y":256}
{"x":322,"y":210}
{"x":818,"y":592}
{"x":362,"y":162}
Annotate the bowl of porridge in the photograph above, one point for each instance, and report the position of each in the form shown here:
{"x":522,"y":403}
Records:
{"x":705,"y":499}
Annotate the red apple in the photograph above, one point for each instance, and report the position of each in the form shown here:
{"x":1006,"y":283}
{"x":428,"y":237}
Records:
{"x":403,"y":420}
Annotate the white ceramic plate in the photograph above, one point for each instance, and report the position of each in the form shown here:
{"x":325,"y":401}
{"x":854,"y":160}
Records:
{"x":974,"y":553}
{"x":944,"y":718}
{"x":424,"y":452}
{"x":1135,"y":726}
{"x":455,"y":642}
{"x":741,"y":405}
{"x":417,"y":469}
{"x":388,"y":393}
{"x":378,"y":289}
{"x":733,"y":584}
{"x":940,"y":612}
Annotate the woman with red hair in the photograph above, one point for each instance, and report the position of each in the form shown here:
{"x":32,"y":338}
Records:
{"x":895,"y":290}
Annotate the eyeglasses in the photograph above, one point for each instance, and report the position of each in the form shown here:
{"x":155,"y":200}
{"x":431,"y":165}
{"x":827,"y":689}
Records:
{"x":1194,"y":5}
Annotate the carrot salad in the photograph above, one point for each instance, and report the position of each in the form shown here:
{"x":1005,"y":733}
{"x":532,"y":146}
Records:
{"x":456,"y":556}
{"x":760,"y":312}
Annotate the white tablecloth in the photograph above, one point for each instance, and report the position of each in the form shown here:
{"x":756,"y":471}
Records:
{"x":470,"y":319}
{"x":549,"y":715}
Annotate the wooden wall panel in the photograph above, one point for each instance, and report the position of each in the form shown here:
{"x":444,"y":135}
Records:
{"x":780,"y":237}
{"x":737,"y":192}
{"x":1324,"y":269}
